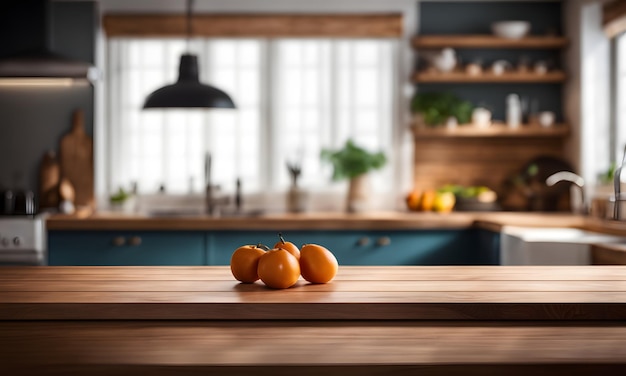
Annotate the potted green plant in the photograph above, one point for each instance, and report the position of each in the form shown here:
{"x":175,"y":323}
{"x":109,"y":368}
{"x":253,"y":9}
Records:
{"x":435,"y":109}
{"x":121,"y":201}
{"x":353,"y":163}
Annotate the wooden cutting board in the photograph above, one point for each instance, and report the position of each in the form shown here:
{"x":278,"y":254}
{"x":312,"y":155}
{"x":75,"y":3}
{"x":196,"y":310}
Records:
{"x":76,"y":156}
{"x":49,"y":177}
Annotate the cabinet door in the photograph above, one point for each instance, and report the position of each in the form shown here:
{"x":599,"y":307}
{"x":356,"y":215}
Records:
{"x":416,"y":247}
{"x":126,"y":248}
{"x":488,"y":250}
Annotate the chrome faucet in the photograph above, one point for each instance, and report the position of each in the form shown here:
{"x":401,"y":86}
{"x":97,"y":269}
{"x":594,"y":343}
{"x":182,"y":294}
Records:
{"x":577,"y":180}
{"x":617,"y":186}
{"x":212,"y":198}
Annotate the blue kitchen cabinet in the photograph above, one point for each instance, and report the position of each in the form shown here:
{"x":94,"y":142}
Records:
{"x":355,"y":247}
{"x":488,"y":249}
{"x":126,"y":248}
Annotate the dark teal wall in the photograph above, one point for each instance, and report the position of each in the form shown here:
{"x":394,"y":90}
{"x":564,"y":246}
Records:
{"x":475,"y":17}
{"x":33,"y":119}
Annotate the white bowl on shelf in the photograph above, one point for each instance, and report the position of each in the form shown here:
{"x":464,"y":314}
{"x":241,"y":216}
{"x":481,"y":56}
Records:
{"x":511,"y":29}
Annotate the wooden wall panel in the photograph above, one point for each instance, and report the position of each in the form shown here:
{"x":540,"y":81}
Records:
{"x":255,"y":25}
{"x":471,"y":161}
{"x":614,"y":17}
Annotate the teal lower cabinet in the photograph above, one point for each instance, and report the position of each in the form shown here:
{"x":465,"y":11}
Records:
{"x":488,"y":247}
{"x":354,"y":247}
{"x":126,"y":248}
{"x":351,"y":247}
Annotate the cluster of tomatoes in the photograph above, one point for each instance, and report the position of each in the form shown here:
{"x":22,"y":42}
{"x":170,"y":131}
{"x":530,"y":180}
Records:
{"x":281,"y":267}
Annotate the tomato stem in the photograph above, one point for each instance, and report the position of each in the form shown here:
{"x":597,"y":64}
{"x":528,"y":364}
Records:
{"x":263,"y":247}
{"x":280,"y":236}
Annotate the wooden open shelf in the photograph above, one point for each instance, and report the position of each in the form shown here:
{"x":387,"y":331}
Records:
{"x":488,"y":41}
{"x":488,"y":77}
{"x":495,"y":130}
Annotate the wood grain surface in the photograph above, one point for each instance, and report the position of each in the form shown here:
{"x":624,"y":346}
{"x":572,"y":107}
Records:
{"x":352,"y":348}
{"x":49,"y":178}
{"x":397,"y":220}
{"x":255,"y":25}
{"x":608,"y":254}
{"x":76,"y":158}
{"x":488,"y":77}
{"x":482,"y":162}
{"x":372,"y":293}
{"x":440,"y":320}
{"x":487,"y":41}
{"x":496,"y":129}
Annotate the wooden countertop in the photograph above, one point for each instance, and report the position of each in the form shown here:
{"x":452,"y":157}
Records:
{"x":368,"y":321}
{"x":317,"y":221}
{"x":357,"y":293}
{"x":310,"y":348}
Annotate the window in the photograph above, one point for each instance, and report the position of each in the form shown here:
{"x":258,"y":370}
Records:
{"x":293,"y":97}
{"x":619,"y":122}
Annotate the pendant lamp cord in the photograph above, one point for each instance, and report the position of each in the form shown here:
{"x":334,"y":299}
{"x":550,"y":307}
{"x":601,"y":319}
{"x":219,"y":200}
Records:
{"x":189,"y":6}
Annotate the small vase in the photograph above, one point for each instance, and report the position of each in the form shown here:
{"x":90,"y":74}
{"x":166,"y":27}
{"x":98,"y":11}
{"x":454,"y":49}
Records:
{"x":358,"y":194}
{"x":297,"y":199}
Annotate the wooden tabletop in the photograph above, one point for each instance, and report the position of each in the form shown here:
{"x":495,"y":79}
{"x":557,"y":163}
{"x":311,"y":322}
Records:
{"x":309,"y":348}
{"x":467,"y":320}
{"x":357,"y":293}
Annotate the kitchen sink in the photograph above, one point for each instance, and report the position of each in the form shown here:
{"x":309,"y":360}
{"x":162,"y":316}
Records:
{"x":550,"y":246}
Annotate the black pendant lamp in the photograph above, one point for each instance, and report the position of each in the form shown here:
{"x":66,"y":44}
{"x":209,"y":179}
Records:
{"x":188,"y":91}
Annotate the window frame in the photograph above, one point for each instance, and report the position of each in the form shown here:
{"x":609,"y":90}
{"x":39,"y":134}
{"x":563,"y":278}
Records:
{"x":617,"y":147}
{"x":268,"y":66}
{"x":403,"y":88}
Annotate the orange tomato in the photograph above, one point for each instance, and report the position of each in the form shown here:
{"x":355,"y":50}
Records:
{"x":317,"y":264}
{"x":428,"y":199}
{"x":413,"y":200}
{"x":288,"y":246}
{"x":279,"y":269}
{"x":244,"y":263}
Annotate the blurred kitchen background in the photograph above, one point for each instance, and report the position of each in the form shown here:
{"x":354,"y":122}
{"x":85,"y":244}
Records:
{"x":352,"y":70}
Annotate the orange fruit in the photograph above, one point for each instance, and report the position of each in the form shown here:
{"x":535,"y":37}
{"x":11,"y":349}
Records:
{"x":428,"y":199}
{"x":413,"y":200}
{"x":244,"y":263}
{"x":317,"y":264}
{"x":288,"y":246}
{"x":278,"y":269}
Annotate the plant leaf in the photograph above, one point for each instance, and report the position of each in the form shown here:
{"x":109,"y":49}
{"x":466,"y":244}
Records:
{"x":352,"y":161}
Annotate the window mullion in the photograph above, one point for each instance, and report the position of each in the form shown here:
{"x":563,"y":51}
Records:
{"x":164,"y":130}
{"x":207,"y":124}
{"x":237,"y":144}
{"x":114,"y":107}
{"x":269,"y":98}
{"x":352,"y":73}
{"x":618,"y":98}
{"x":334,"y":85}
{"x":142,"y":141}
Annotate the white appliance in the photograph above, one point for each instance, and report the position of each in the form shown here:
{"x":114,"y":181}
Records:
{"x":549,"y":246}
{"x":23,"y":240}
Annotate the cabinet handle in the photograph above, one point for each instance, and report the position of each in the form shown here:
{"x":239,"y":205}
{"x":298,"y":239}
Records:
{"x":119,"y":241}
{"x":383,"y":241}
{"x":135,"y":241}
{"x":363,"y":241}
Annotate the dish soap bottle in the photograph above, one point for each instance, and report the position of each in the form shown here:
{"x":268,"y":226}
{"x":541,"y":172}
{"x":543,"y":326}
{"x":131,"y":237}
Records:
{"x":513,"y":111}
